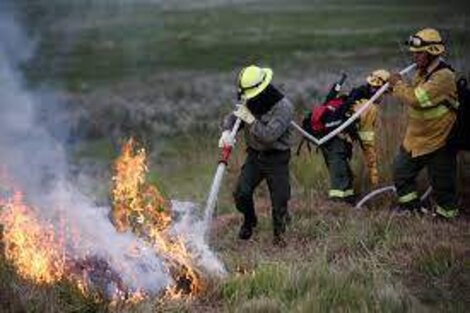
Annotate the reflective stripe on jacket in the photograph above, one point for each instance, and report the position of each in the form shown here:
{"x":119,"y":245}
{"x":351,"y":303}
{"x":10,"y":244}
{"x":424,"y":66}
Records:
{"x":367,"y":121}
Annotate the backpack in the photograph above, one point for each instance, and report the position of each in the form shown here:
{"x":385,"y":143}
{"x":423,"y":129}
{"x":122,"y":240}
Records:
{"x":460,"y":134}
{"x":324,"y":118}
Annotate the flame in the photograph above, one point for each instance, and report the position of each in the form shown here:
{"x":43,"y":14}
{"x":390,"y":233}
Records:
{"x":34,"y":249}
{"x":42,"y":251}
{"x":134,"y":201}
{"x":141,"y":207}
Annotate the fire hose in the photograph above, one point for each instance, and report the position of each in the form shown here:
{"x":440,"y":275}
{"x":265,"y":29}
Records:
{"x":350,"y":120}
{"x":219,"y":174}
{"x":379,"y":191}
{"x":226,"y":151}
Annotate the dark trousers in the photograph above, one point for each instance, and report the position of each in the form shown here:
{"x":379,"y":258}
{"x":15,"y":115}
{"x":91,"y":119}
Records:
{"x":441,"y":166}
{"x":337,"y":153}
{"x":274,"y":167}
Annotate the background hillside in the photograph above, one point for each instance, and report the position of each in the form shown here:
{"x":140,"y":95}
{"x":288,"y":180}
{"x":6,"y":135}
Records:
{"x":164,"y":72}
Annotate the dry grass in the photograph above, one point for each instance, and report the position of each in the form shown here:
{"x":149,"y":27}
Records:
{"x":338,"y":259}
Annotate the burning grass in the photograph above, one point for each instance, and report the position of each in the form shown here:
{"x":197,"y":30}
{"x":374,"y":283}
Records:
{"x":337,"y":259}
{"x":34,"y":250}
{"x":140,"y":206}
{"x":45,"y":252}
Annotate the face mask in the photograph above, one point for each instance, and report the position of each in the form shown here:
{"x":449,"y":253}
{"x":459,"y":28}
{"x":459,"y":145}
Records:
{"x":262,"y":103}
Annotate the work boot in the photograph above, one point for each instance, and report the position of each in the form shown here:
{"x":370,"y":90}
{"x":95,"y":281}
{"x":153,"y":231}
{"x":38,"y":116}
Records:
{"x":351,"y":200}
{"x":246,"y":230}
{"x":279,"y":241}
{"x":446,"y":214}
{"x":409,"y":208}
{"x":288,"y":218}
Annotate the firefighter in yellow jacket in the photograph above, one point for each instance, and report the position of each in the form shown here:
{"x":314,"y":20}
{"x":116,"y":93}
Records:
{"x":431,"y":100}
{"x":367,"y":123}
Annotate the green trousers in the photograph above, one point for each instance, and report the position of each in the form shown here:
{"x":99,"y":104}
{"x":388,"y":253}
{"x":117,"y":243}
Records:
{"x":441,"y":166}
{"x":337,"y":153}
{"x":274,"y":167}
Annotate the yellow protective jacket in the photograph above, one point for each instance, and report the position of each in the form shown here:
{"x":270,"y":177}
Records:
{"x":366,"y":131}
{"x":431,"y":106}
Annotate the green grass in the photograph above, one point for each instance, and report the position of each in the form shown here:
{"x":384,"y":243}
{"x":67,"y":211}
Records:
{"x":136,"y":41}
{"x":355,"y":264}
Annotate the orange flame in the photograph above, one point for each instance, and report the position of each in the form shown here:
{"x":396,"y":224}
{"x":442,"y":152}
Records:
{"x":134,"y":201}
{"x":33,"y":248}
{"x":37,"y":251}
{"x":141,"y":207}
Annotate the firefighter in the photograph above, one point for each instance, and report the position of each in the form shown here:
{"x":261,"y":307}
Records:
{"x":266,"y":116}
{"x":367,"y":122}
{"x":338,"y":151}
{"x":431,"y":101}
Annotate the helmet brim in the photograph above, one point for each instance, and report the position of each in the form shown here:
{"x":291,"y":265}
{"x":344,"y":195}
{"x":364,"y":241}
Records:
{"x":434,"y":49}
{"x":373,"y":82}
{"x":251,"y":93}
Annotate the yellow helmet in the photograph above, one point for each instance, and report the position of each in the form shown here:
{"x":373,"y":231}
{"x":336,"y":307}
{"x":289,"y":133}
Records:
{"x":252,"y":80}
{"x":428,"y":40}
{"x":378,"y":78}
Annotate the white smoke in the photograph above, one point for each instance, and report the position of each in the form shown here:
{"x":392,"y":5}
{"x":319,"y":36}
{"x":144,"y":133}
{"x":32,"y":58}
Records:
{"x":38,"y":163}
{"x":192,"y":229}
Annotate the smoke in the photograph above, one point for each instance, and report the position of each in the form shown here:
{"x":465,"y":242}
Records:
{"x":193,"y":229}
{"x":38,"y":164}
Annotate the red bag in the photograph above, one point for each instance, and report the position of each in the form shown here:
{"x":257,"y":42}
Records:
{"x":327,"y":116}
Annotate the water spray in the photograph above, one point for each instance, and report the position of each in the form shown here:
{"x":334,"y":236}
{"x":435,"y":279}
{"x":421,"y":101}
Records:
{"x":219,"y":174}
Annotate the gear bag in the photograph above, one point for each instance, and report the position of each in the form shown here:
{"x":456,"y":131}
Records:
{"x":319,"y":118}
{"x":324,"y":118}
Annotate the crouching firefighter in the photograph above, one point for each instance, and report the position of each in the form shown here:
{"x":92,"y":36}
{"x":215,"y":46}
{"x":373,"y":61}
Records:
{"x":266,"y":118}
{"x":431,"y":100}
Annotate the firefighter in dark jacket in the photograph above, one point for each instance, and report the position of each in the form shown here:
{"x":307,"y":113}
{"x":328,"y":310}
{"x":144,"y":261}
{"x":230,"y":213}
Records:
{"x":431,"y":100}
{"x":338,"y":151}
{"x":266,"y":116}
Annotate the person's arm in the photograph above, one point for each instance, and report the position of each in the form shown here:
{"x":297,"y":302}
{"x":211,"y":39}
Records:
{"x":277,"y":125}
{"x":427,"y":95}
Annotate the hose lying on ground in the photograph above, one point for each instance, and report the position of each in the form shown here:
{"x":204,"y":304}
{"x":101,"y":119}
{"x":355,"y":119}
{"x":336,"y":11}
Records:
{"x":376,"y":192}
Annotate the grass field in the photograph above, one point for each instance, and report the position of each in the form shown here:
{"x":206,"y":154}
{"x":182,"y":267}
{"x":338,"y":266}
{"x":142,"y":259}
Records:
{"x":105,"y":44}
{"x":164,"y":71}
